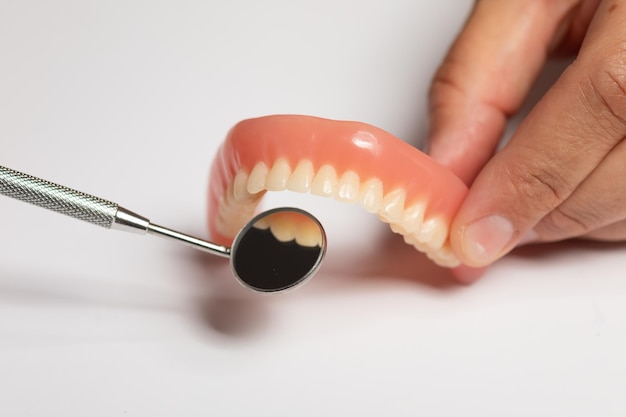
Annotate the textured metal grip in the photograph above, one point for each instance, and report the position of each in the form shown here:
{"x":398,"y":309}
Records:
{"x":56,"y":197}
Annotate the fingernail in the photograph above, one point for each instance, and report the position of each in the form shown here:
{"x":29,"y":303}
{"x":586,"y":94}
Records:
{"x":484,"y":240}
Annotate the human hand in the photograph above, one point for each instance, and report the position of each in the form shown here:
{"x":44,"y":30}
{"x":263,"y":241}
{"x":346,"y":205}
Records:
{"x":563,"y":173}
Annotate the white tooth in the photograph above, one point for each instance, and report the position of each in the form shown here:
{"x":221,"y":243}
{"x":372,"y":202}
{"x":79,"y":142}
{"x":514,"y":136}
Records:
{"x":442,"y":256}
{"x":433,"y":233}
{"x":225,"y":229}
{"x":371,"y":195}
{"x":324,"y":182}
{"x":397,"y":228}
{"x":278,"y":176}
{"x":393,"y":204}
{"x":286,"y":228}
{"x":412,"y":218}
{"x":446,"y":258}
{"x":422,"y":247}
{"x":256,"y":180}
{"x":239,"y":186}
{"x":283,"y":228}
{"x":263,"y":223}
{"x":309,"y":237}
{"x":230,"y":221}
{"x":413,"y":241}
{"x":228,"y":198}
{"x":308,"y":232}
{"x":283,"y":234}
{"x":301,"y":178}
{"x":348,"y":187}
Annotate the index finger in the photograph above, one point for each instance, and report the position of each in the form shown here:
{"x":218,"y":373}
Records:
{"x":486,"y":76}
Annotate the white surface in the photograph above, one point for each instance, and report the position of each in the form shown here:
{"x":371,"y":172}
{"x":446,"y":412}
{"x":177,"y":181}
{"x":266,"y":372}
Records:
{"x":129,"y":100}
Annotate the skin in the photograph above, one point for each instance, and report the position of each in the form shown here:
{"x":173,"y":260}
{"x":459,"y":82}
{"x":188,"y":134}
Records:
{"x":563,"y":173}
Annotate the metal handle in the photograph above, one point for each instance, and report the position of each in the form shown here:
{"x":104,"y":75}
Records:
{"x":58,"y":198}
{"x":91,"y":209}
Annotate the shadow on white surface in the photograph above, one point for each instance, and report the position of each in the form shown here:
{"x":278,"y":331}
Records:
{"x":221,"y":303}
{"x":39,"y":288}
{"x":217,"y":303}
{"x":225,"y":307}
{"x":390,"y":260}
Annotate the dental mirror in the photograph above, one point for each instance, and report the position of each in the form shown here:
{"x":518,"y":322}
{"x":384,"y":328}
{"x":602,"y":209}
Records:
{"x":278,"y":250}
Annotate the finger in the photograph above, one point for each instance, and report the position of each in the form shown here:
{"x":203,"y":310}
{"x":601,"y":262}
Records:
{"x":612,"y":233}
{"x":615,"y":232}
{"x":485,"y":77}
{"x":467,"y":275}
{"x":564,"y":138}
{"x":572,"y":29}
{"x":599,"y":201}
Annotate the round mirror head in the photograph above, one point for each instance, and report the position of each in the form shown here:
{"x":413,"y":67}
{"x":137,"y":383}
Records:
{"x":278,"y":249}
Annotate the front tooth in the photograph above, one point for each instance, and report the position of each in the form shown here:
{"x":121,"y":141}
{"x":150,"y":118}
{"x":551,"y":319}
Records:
{"x":278,"y":175}
{"x":324,"y":182}
{"x":301,"y":178}
{"x":433,"y":233}
{"x":308,"y":236}
{"x":348,"y":187}
{"x":392,"y":206}
{"x":239,"y":186}
{"x":371,"y":195}
{"x":256,"y":180}
{"x":283,"y":228}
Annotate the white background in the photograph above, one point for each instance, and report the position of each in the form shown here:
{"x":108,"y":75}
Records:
{"x":129,"y":100}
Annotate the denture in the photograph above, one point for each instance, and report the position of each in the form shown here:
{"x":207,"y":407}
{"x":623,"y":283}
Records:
{"x":351,"y":162}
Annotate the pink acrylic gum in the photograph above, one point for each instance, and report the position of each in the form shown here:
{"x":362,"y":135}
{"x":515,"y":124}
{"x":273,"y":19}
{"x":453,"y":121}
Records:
{"x":346,"y":146}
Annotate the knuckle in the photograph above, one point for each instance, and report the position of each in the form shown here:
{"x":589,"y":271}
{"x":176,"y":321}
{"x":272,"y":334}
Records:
{"x":445,"y":86}
{"x":565,"y":222}
{"x":606,"y":92}
{"x":539,"y":185}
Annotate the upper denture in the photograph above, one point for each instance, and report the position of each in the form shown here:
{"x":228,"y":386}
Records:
{"x":349,"y":161}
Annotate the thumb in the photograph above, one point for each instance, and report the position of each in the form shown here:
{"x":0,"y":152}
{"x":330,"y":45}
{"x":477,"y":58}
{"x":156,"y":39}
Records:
{"x":558,"y":146}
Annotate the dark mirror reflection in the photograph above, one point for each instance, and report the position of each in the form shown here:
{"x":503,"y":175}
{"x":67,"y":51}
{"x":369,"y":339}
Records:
{"x":279,"y":250}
